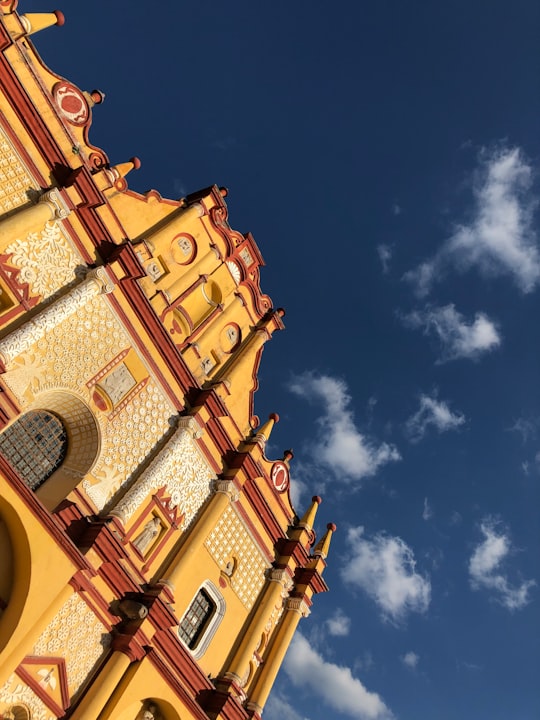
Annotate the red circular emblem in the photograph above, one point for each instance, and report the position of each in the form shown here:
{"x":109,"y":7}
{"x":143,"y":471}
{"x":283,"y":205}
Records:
{"x":71,"y":103}
{"x":280,"y":476}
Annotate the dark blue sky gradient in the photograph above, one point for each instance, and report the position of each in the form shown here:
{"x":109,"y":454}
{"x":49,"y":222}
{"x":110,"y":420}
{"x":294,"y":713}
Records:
{"x":339,"y":127}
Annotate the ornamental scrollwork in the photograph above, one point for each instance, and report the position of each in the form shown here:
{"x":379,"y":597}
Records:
{"x":46,"y":260}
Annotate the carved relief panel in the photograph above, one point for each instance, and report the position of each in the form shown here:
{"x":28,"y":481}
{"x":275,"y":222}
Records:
{"x":80,"y":354}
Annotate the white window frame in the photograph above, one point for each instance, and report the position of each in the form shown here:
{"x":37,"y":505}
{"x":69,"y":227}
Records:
{"x":205,"y":639}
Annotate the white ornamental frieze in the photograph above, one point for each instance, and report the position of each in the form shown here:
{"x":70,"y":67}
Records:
{"x":180,"y":467}
{"x":21,"y":340}
{"x":46,"y":260}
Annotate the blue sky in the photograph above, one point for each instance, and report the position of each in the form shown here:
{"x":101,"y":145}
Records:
{"x":385,"y":156}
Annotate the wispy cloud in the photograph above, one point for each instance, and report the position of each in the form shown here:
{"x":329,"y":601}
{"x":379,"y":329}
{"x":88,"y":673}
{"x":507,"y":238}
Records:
{"x":300,"y":481}
{"x":334,"y":684}
{"x":384,"y":567}
{"x":500,"y":238}
{"x":487,"y":571}
{"x":427,"y":512}
{"x":432,"y":413}
{"x":526,"y":428}
{"x":385,"y":255}
{"x":410,"y":659}
{"x":340,"y":446}
{"x":458,"y":338}
{"x":278,"y":707}
{"x":338,"y":624}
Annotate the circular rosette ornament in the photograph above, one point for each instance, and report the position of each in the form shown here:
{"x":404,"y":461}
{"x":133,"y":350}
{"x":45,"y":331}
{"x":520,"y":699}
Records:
{"x":71,"y":103}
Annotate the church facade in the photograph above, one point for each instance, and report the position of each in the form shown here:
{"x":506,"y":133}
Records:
{"x":152,"y":566}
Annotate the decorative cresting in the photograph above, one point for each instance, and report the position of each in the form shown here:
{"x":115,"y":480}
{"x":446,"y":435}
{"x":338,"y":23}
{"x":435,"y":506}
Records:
{"x":180,"y":467}
{"x":50,"y":207}
{"x":21,"y":340}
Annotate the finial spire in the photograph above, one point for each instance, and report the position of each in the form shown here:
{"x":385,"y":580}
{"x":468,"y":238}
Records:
{"x":263,"y":433}
{"x":288,"y":456}
{"x":124,"y":168}
{"x":322,"y":547}
{"x":309,"y":516}
{"x":34,"y":22}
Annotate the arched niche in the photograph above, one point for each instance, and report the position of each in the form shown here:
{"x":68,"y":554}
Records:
{"x":154,"y":708}
{"x":17,"y":712}
{"x":82,"y":449}
{"x":15,"y":562}
{"x":201,"y":302}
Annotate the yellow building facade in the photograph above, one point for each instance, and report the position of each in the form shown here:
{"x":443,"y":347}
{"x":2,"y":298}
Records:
{"x":152,"y":566}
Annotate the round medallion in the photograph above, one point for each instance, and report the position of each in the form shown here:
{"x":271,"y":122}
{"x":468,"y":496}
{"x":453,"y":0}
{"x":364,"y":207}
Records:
{"x":280,"y":476}
{"x":229,"y":338}
{"x":72,"y":103}
{"x":183,"y":249}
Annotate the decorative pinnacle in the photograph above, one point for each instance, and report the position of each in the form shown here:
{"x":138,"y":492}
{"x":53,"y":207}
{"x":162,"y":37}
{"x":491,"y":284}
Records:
{"x":264,"y":432}
{"x":322,"y":547}
{"x":97,"y":97}
{"x":124,"y":168}
{"x":34,"y":22}
{"x":309,"y":516}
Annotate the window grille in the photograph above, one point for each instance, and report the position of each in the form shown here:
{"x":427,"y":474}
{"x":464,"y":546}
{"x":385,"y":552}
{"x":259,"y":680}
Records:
{"x":35,"y":445}
{"x":197,"y":618}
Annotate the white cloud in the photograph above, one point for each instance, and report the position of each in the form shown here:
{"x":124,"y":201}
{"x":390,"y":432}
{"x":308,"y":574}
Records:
{"x":385,"y":255}
{"x":427,"y":512}
{"x":528,"y":429}
{"x":278,"y":707}
{"x":458,"y":338}
{"x":339,"y":624}
{"x":500,"y":239}
{"x":486,"y":570}
{"x":384,"y":568}
{"x":435,"y":413}
{"x":410,"y":659}
{"x":300,"y":481}
{"x":334,"y":684}
{"x":340,"y":446}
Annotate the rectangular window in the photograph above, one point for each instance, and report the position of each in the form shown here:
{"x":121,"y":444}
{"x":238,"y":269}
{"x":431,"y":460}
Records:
{"x":197,"y":618}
